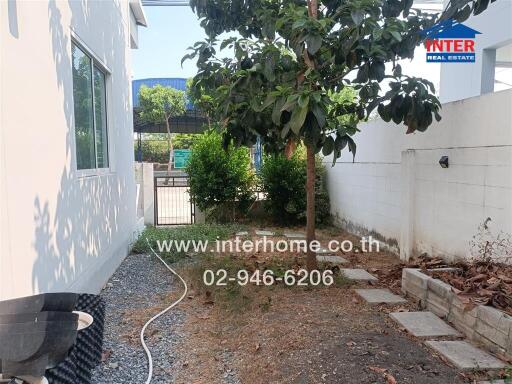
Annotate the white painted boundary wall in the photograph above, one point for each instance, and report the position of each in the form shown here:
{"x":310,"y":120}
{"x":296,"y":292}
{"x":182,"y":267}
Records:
{"x":396,"y":188}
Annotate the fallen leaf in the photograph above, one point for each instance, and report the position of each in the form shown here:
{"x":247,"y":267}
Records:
{"x":377,"y":369}
{"x":390,"y":379}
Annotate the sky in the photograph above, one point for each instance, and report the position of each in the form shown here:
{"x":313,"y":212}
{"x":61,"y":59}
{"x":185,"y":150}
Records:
{"x":171,"y":30}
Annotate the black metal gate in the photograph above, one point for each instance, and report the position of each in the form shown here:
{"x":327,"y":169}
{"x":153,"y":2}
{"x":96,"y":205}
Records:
{"x":173,"y":205}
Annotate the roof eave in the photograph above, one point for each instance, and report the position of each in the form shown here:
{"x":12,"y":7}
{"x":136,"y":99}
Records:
{"x":138,"y":12}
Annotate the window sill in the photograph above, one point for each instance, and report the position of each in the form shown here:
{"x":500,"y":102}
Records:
{"x":91,"y":173}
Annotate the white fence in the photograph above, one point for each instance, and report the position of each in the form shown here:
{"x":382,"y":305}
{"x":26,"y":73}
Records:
{"x":397,"y":189}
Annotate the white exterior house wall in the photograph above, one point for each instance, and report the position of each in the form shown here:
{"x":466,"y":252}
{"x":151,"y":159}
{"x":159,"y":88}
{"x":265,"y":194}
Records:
{"x":397,"y":190}
{"x":61,"y":229}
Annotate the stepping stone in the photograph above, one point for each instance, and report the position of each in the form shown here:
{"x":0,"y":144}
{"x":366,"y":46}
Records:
{"x":464,"y":356}
{"x":242,"y":233}
{"x":501,"y":381}
{"x":295,"y":235}
{"x":423,"y":324}
{"x":378,"y":296}
{"x":331,"y":259}
{"x":358,"y":274}
{"x":265,"y":233}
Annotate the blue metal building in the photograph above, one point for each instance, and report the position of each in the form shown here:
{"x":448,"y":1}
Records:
{"x":173,"y":82}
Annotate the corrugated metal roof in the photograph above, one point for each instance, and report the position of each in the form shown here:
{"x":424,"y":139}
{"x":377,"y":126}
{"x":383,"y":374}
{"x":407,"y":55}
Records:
{"x":173,"y":82}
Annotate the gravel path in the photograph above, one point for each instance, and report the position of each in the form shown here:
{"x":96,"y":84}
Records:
{"x":140,"y":282}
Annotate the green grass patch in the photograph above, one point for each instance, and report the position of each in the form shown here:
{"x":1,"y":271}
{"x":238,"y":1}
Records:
{"x":197,"y":232}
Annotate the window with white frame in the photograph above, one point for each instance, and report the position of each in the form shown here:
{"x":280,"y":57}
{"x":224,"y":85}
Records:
{"x":89,"y":95}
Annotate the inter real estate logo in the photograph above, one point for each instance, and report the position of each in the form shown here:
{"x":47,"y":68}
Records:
{"x":450,"y":42}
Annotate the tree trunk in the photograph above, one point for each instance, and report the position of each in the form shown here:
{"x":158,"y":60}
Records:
{"x":169,"y":145}
{"x":310,"y":206}
{"x":310,"y":164}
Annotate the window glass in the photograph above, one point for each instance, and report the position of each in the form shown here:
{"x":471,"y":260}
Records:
{"x":100,"y":118}
{"x":82,"y":96}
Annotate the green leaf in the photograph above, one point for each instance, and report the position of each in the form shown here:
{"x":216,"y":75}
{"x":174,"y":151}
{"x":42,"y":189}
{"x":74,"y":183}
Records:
{"x":383,"y":112}
{"x":340,"y":143}
{"x":269,"y":69}
{"x":319,"y":114}
{"x":362,"y":74}
{"x":299,"y":23}
{"x":297,"y":120}
{"x":290,"y":103}
{"x":276,"y":112}
{"x":480,"y":6}
{"x":397,"y":72}
{"x":328,"y":146}
{"x":269,"y":29}
{"x":303,"y":101}
{"x":377,"y":70}
{"x":407,"y":7}
{"x":284,"y":131}
{"x":268,"y":101}
{"x":314,"y":42}
{"x":352,"y":147}
{"x":396,"y":35}
{"x":357,"y":16}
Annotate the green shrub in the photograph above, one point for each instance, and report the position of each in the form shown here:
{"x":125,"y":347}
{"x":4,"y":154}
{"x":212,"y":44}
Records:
{"x":184,"y":140}
{"x":284,"y":183}
{"x":153,"y":151}
{"x":221,"y":181}
{"x":156,"y":151}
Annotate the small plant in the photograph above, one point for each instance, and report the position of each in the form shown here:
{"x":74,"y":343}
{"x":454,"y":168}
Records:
{"x":283,"y":181}
{"x":487,"y":246}
{"x":221,"y":180}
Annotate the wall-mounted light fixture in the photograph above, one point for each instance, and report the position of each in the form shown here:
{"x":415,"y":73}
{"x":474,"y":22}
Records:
{"x":443,"y":162}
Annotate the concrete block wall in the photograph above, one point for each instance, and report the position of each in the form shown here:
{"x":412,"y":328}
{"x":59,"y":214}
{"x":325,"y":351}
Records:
{"x":486,"y":325}
{"x":395,"y":188}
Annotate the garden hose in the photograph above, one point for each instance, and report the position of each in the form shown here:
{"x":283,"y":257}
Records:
{"x":146,"y":349}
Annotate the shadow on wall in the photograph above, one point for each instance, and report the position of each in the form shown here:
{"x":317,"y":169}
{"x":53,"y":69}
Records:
{"x":88,"y":218}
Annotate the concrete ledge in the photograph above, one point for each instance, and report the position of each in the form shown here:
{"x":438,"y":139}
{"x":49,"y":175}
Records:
{"x":483,"y":324}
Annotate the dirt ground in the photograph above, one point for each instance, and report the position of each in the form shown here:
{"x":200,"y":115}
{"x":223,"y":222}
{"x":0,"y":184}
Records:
{"x":306,"y":335}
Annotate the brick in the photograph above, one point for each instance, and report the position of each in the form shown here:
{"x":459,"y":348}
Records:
{"x":439,"y":305}
{"x":492,"y":334}
{"x":463,"y":319}
{"x":439,"y":288}
{"x":495,"y":318}
{"x":414,"y":283}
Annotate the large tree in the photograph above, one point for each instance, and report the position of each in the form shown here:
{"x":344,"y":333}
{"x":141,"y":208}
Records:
{"x":290,"y":56}
{"x":158,"y":105}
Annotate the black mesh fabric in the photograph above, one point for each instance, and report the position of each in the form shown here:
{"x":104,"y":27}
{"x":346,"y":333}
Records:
{"x":86,"y":353}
